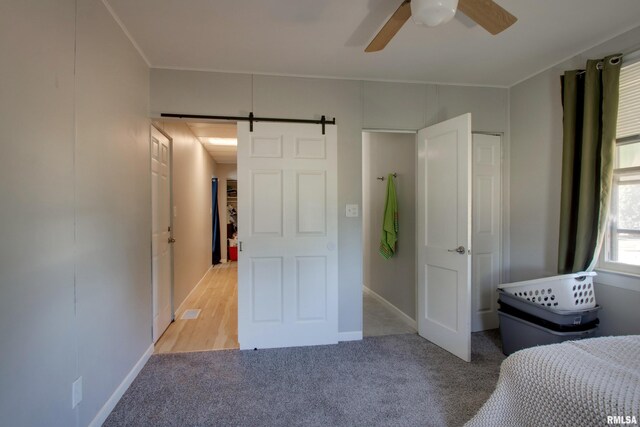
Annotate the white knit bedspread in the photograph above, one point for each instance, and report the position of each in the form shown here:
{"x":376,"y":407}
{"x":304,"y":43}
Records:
{"x":577,"y":383}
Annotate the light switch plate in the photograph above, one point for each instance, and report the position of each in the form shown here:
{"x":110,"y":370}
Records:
{"x":352,"y":211}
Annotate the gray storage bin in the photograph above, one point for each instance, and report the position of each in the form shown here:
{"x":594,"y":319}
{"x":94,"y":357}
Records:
{"x":559,"y":317}
{"x":518,"y":334}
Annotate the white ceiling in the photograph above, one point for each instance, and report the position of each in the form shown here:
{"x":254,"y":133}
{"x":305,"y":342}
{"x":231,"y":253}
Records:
{"x":327,"y":38}
{"x":220,"y":153}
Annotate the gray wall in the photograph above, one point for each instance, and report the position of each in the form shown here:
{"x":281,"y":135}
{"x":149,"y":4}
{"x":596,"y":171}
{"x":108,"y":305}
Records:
{"x":113,"y":204}
{"x":393,"y":279}
{"x":619,"y":313}
{"x":536,"y":166}
{"x":38,"y":359}
{"x":75,"y":215}
{"x":192,"y":171}
{"x":356,"y":105}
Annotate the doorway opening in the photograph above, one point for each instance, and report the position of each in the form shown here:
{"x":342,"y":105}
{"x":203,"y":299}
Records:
{"x":204,"y":214}
{"x":287,"y":294}
{"x":389,"y":291}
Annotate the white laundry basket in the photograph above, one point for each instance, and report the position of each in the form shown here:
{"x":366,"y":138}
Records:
{"x":567,"y":292}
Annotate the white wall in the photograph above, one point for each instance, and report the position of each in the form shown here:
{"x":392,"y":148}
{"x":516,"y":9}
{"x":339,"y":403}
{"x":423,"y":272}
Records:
{"x":393,"y":279}
{"x":75,"y":294}
{"x":356,"y":105}
{"x":536,"y":166}
{"x":192,"y":171}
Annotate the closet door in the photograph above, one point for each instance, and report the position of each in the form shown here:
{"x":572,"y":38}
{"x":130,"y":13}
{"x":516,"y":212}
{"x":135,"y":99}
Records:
{"x":487,"y":224}
{"x":288,"y":230}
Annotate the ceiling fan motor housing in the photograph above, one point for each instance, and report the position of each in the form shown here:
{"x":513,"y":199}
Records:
{"x":433,"y":12}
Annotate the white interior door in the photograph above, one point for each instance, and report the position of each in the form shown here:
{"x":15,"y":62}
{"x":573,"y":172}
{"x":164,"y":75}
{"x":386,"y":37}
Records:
{"x":161,"y":232}
{"x":288,"y":226}
{"x":485,"y":240}
{"x":444,"y":235}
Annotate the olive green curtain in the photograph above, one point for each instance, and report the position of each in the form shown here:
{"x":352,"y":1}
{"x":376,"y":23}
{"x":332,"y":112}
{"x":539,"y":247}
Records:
{"x":590,"y":103}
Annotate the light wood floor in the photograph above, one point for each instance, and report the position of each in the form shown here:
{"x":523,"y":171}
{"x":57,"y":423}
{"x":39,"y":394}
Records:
{"x":216,"y":328}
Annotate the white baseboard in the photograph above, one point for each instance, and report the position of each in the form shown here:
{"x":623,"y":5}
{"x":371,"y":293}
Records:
{"x":191,"y":291}
{"x":406,"y":319}
{"x":111,"y":403}
{"x":350,"y":336}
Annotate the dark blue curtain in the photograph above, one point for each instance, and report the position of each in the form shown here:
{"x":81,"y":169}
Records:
{"x":215,"y":243}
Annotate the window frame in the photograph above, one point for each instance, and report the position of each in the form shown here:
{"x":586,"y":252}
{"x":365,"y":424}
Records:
{"x":618,"y":268}
{"x":615,"y":266}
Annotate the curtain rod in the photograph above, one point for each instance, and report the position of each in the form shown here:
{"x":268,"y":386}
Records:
{"x":251,"y":118}
{"x":631,"y":57}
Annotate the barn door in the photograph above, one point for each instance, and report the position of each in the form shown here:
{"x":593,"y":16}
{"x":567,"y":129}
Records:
{"x":287,"y":223}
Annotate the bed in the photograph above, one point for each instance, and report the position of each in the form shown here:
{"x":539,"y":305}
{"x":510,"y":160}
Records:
{"x":592,"y":382}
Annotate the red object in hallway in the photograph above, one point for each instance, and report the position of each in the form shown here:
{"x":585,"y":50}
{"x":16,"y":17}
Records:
{"x":233,"y":253}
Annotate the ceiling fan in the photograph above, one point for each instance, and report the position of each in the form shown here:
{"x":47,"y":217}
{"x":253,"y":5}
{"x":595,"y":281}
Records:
{"x":488,"y":14}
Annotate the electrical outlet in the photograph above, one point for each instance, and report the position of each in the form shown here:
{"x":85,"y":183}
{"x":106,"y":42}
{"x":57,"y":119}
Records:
{"x":76,"y":392}
{"x":352,"y":211}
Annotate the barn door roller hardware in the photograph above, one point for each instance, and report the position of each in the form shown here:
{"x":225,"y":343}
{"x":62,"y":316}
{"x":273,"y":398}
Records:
{"x":251,"y":119}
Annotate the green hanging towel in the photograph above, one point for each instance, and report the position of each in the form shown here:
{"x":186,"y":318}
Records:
{"x":389,"y":221}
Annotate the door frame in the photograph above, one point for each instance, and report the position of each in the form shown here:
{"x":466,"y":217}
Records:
{"x":158,"y":126}
{"x":504,"y":199}
{"x":362,"y":226}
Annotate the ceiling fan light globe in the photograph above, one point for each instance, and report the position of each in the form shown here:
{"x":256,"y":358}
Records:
{"x":433,"y":12}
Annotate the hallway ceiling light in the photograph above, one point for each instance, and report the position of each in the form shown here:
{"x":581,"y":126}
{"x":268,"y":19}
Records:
{"x":222,"y":141}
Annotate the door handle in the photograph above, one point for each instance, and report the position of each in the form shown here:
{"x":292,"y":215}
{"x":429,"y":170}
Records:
{"x":239,"y":246}
{"x":171,"y":240}
{"x":460,"y":249}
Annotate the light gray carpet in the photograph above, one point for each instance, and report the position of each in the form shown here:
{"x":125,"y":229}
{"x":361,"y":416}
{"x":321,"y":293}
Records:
{"x":400,"y":380}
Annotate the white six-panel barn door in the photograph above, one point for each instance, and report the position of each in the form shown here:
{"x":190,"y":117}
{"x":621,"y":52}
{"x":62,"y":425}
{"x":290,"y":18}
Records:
{"x":287,"y":224}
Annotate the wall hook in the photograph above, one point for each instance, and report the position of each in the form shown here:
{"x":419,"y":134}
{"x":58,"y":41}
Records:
{"x":382,"y":178}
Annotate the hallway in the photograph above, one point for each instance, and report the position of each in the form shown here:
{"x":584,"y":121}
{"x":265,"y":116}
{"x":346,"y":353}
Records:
{"x":216,"y":327}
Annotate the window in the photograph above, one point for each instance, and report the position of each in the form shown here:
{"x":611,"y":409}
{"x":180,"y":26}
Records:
{"x":621,"y":248}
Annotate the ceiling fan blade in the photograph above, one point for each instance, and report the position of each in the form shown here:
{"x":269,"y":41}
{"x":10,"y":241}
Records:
{"x":393,"y":25}
{"x":488,"y":14}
